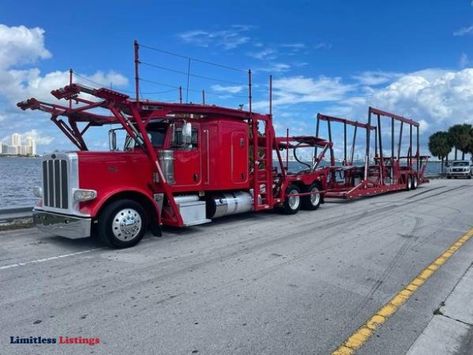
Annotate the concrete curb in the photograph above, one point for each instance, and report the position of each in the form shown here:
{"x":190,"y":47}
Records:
{"x":450,"y":330}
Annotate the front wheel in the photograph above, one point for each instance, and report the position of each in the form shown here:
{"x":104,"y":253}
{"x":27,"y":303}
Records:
{"x":312,"y":202}
{"x":122,"y":224}
{"x":292,"y":203}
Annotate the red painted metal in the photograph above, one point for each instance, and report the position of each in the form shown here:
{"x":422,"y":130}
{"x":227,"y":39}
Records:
{"x":233,"y":151}
{"x":382,"y":174}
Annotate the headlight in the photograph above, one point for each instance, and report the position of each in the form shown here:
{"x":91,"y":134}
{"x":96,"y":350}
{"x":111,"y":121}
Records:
{"x":38,"y":191}
{"x":82,"y":195}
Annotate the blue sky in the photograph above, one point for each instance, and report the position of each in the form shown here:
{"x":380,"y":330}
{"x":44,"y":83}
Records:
{"x":336,"y":57}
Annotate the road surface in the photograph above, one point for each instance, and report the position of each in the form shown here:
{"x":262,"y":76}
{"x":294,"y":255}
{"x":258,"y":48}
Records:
{"x":249,"y":284}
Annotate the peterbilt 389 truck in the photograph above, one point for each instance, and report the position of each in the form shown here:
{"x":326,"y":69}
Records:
{"x":181,"y":165}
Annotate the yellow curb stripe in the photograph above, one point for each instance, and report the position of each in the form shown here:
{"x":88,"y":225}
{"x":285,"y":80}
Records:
{"x":362,"y":334}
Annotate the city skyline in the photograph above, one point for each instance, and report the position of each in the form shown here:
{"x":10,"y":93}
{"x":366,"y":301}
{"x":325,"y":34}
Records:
{"x":23,"y":145}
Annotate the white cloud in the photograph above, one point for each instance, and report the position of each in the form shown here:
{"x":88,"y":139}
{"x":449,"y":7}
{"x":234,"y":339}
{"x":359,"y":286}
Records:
{"x":227,"y":89}
{"x":17,"y":85}
{"x":373,"y":78}
{"x":38,"y":136}
{"x":300,"y":89}
{"x":230,"y":38}
{"x":21,"y":45}
{"x":436,"y":97}
{"x":274,"y":68}
{"x":20,"y":79}
{"x":464,"y":31}
{"x":264,"y":54}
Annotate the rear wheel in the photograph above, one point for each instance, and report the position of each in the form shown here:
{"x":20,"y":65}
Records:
{"x":414,"y":182}
{"x":122,"y":224}
{"x":408,"y":182}
{"x":312,"y":202}
{"x":292,"y":204}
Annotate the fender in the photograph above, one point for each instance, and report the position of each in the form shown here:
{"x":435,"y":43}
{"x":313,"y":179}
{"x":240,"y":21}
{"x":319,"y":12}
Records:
{"x":95,"y":209}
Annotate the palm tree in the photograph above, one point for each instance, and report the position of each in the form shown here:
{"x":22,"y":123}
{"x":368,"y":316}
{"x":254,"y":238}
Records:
{"x":460,"y":137}
{"x":439,"y":145}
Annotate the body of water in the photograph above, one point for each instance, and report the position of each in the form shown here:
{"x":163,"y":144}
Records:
{"x":19,"y":175}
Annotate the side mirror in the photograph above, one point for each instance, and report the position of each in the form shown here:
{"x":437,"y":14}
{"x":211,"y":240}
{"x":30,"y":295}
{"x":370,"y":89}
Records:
{"x":112,"y":140}
{"x":187,"y":133}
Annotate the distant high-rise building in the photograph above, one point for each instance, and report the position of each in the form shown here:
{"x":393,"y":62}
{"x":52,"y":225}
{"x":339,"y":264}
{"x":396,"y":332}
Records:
{"x":13,"y":150}
{"x":17,"y":148}
{"x":15,"y":139}
{"x":31,"y":143}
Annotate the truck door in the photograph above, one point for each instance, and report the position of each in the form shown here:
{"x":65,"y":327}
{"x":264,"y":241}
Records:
{"x":239,"y":157}
{"x":187,"y":158}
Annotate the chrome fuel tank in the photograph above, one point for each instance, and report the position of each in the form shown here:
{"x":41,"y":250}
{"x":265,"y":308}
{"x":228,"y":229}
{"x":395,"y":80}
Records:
{"x":228,"y":203}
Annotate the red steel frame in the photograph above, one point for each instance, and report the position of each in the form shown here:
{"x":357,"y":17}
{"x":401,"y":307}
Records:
{"x":269,"y":188}
{"x":387,"y":173}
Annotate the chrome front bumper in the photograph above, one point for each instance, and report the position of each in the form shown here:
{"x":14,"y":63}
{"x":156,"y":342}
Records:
{"x":71,"y":227}
{"x":459,"y":173}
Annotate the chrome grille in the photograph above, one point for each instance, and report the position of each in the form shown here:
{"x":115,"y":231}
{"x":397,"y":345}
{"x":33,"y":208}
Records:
{"x":55,"y":183}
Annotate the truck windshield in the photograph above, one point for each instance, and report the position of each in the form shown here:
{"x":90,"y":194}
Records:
{"x":156,"y":134}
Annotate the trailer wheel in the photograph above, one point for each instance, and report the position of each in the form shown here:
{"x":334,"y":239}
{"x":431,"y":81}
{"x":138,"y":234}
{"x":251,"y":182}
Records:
{"x":292,"y":204}
{"x":122,"y":224}
{"x":312,"y":202}
{"x":414,"y":182}
{"x":408,"y":182}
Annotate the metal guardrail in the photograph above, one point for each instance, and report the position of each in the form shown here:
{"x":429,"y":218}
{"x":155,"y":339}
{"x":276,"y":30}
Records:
{"x":15,"y":210}
{"x":10,"y":215}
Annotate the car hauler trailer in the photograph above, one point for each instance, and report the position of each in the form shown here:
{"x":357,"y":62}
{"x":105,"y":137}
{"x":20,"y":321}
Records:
{"x":182,"y":165}
{"x":385,"y":172}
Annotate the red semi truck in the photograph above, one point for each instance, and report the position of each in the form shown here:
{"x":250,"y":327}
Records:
{"x":181,"y":165}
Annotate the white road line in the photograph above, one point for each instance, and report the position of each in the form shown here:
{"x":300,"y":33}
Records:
{"x":11,"y":266}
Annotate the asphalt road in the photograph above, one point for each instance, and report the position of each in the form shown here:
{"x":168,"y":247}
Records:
{"x":248,"y":284}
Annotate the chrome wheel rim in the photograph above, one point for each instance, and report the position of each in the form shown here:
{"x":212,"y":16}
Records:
{"x":314,"y":197}
{"x":293,"y":201}
{"x":126,"y":224}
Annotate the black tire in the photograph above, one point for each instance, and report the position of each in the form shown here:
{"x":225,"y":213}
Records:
{"x":112,"y":228}
{"x":312,"y":202}
{"x":408,"y":183}
{"x":292,"y":205}
{"x":449,"y":177}
{"x":414,"y":182}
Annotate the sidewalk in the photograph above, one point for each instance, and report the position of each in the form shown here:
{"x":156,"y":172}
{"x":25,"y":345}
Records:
{"x":451,"y":329}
